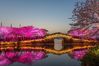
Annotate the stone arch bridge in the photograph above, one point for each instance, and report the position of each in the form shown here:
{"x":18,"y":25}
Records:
{"x":47,"y":45}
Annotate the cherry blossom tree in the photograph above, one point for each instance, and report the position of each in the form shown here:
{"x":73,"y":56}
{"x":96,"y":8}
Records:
{"x":85,"y":15}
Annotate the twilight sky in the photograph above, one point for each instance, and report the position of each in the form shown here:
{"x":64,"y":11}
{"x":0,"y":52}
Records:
{"x":49,"y":14}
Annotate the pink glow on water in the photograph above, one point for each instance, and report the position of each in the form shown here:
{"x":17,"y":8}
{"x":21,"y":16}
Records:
{"x":39,"y":55}
{"x":26,"y":58}
{"x":7,"y":58}
{"x":79,"y":54}
{"x":4,"y":61}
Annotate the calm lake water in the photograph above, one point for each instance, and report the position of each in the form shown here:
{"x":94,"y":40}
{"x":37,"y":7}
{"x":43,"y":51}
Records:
{"x":54,"y":60}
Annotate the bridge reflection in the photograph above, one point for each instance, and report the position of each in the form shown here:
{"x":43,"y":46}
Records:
{"x":48,"y":47}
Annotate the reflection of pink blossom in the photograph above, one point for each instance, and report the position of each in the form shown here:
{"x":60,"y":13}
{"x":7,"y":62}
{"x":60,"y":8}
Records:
{"x":26,"y":58}
{"x":39,"y":55}
{"x":7,"y":58}
{"x":4,"y":61}
{"x":11,"y":55}
{"x":79,"y":54}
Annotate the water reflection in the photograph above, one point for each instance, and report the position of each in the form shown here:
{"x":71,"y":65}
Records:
{"x":79,"y":54}
{"x":45,"y":56}
{"x":25,"y":57}
{"x":54,"y":60}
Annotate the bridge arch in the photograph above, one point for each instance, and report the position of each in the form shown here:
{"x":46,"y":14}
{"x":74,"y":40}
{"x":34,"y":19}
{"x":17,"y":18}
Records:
{"x":58,"y":35}
{"x":58,"y":39}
